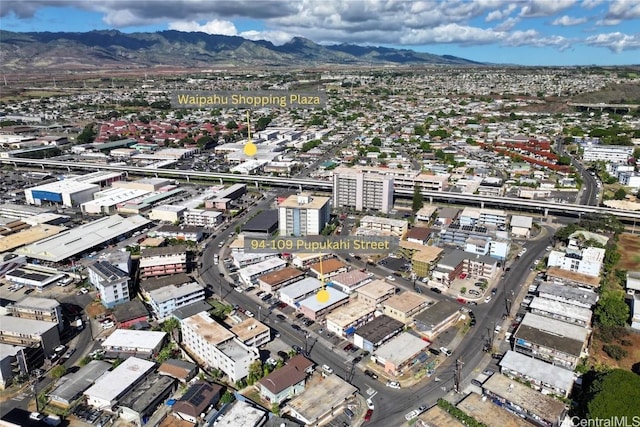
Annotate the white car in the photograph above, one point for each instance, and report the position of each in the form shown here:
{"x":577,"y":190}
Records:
{"x":411,"y":415}
{"x":393,"y":384}
{"x":391,"y":278}
{"x":487,"y":299}
{"x":370,"y":404}
{"x":327,"y":369}
{"x":445,"y":351}
{"x":248,"y":313}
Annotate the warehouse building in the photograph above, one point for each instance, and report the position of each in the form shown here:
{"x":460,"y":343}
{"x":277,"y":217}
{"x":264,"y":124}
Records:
{"x":345,"y":320}
{"x":315,"y":310}
{"x":110,"y":388}
{"x":70,"y":387}
{"x":377,"y":332}
{"x":107,"y":201}
{"x":67,"y":193}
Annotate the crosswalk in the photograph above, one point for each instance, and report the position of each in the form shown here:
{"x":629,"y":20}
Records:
{"x":20,"y":397}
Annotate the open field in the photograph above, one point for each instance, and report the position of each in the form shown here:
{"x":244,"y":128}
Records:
{"x":629,"y":248}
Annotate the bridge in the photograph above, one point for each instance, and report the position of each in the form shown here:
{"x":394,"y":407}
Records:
{"x":540,"y":206}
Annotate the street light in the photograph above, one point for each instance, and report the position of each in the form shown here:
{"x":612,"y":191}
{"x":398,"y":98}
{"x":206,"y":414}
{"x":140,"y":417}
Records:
{"x":259,"y":311}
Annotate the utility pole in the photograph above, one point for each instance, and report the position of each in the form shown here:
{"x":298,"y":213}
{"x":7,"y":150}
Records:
{"x":458,"y":375}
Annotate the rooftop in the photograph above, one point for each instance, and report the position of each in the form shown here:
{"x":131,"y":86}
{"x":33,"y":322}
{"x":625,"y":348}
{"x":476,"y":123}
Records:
{"x":280,"y":276}
{"x":376,"y":289}
{"x":241,"y":414}
{"x":573,"y":276}
{"x":428,"y":254}
{"x":80,"y":239}
{"x":525,"y":397}
{"x":301,"y":287}
{"x":262,"y":266}
{"x":30,"y":235}
{"x":71,"y":386}
{"x":158,"y":283}
{"x":584,"y":296}
{"x":320,"y":396}
{"x":552,"y":333}
{"x":37,"y":303}
{"x":29,"y":327}
{"x":349,"y":313}
{"x":438,"y":312}
{"x":290,"y":374}
{"x":335,"y":296}
{"x":379,"y":329}
{"x":172,"y":292}
{"x":487,"y":413}
{"x":437,"y":417}
{"x":210,"y":330}
{"x":401,"y":349}
{"x":560,"y":308}
{"x":249,"y":328}
{"x":539,"y":370}
{"x":65,"y":185}
{"x":112,"y":385}
{"x":304,"y":202}
{"x":125,"y":339}
{"x":328,"y":266}
{"x":350,"y":278}
{"x":407,"y":302}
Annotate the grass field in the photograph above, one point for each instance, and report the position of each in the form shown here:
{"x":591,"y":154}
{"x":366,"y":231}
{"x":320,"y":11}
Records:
{"x":629,"y":248}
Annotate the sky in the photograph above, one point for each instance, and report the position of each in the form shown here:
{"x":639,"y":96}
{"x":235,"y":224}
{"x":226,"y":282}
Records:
{"x":526,"y":32}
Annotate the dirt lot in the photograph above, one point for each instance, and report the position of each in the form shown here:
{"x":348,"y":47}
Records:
{"x":599,"y":357}
{"x":629,"y":248}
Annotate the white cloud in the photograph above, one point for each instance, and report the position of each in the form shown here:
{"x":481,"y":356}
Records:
{"x":225,"y":28}
{"x":508,"y":24}
{"x":590,"y":4}
{"x":451,"y":33}
{"x":608,"y":22}
{"x":623,"y":10}
{"x":275,"y":37}
{"x":497,"y":15}
{"x":616,"y":42}
{"x":567,"y":21}
{"x":538,"y":8}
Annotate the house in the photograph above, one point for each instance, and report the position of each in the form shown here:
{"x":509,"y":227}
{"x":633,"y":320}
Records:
{"x":196,"y":400}
{"x":131,"y":313}
{"x":286,"y":382}
{"x":420,"y":235}
{"x":179,"y":369}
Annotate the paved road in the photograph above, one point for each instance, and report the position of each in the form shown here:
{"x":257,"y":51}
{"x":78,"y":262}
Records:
{"x":590,"y":193}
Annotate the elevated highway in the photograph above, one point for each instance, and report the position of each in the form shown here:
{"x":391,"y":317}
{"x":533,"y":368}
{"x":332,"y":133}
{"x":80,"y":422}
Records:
{"x":539,"y":206}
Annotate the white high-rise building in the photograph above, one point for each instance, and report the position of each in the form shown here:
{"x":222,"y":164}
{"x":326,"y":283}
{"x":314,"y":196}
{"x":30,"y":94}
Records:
{"x":303,"y":215}
{"x":353,"y":188}
{"x":110,"y":281}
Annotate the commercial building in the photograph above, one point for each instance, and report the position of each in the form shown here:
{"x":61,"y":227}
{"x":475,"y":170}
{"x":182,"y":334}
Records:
{"x":321,"y":400}
{"x":286,"y":382}
{"x":296,"y":292}
{"x":249,"y":274}
{"x":533,"y":406}
{"x":384,"y":226}
{"x":167,"y":213}
{"x":107,"y":201}
{"x":377,"y":332}
{"x":349,"y":281}
{"x":562,"y":311}
{"x":374,"y":293}
{"x":345,"y":320}
{"x":404,"y":306}
{"x":179,"y":232}
{"x":550,"y":340}
{"x":263,"y":224}
{"x":29,"y":333}
{"x":165,"y":300}
{"x":139,"y":404}
{"x":315,"y":310}
{"x":34,"y":276}
{"x":110,"y":388}
{"x":83,"y":238}
{"x":111,"y":283}
{"x":123,"y":343}
{"x":352,"y":188}
{"x":27,"y":236}
{"x":303,"y":215}
{"x":45,"y":309}
{"x":67,"y":193}
{"x":217,"y":347}
{"x":163,"y":261}
{"x":521,"y":225}
{"x":275,"y":280}
{"x":437,"y":318}
{"x":70,"y":387}
{"x":544,"y":377}
{"x":399,"y":352}
{"x":202,"y":218}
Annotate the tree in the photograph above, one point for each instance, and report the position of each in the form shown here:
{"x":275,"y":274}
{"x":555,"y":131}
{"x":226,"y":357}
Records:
{"x":58,"y":371}
{"x":170,"y":325}
{"x":275,"y":408}
{"x":376,"y":141}
{"x":418,"y":199}
{"x":613,"y":394}
{"x":620,"y":194}
{"x":255,"y":372}
{"x":612,"y":310}
{"x":227,"y":397}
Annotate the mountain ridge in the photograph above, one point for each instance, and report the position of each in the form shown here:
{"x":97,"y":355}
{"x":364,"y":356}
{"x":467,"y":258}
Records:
{"x":115,"y":49}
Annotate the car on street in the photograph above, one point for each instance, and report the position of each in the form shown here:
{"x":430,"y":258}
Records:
{"x":436,"y":290}
{"x":393,"y":384}
{"x":297,"y":348}
{"x":411,"y":415}
{"x":370,"y":404}
{"x":327,"y":369}
{"x":368,"y":414}
{"x":391,"y":278}
{"x":296,"y":327}
{"x":281,"y":317}
{"x":445,"y":351}
{"x":487,"y":299}
{"x":476,"y":383}
{"x":371,"y":374}
{"x":488,"y":372}
{"x":348,"y":347}
{"x":357,"y":359}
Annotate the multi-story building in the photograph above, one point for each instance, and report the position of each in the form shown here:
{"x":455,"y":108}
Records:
{"x":29,"y":333}
{"x":217,"y":347}
{"x":378,"y":331}
{"x":588,"y":261}
{"x":352,"y":188}
{"x":480,"y":266}
{"x":541,"y":375}
{"x":111,"y":283}
{"x":345,"y":320}
{"x":303,"y":215}
{"x":404,"y":306}
{"x":165,"y":300}
{"x":562,"y":311}
{"x":162,"y":261}
{"x":202,"y":218}
{"x":607,"y":153}
{"x":180,"y":232}
{"x":550,"y":340}
{"x":384,"y":226}
{"x":45,"y":309}
{"x":252,"y":332}
{"x":374,"y":293}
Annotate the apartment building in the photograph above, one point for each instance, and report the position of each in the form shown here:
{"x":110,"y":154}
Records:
{"x":202,"y":218}
{"x":404,"y":306}
{"x":374,"y":293}
{"x":355,"y":189}
{"x":163,"y":261}
{"x":345,"y":320}
{"x":384,"y":226}
{"x":217,"y":347}
{"x":588,"y":261}
{"x":607,"y":153}
{"x":165,"y":300}
{"x":35,"y":308}
{"x":29,"y":333}
{"x":110,"y":281}
{"x":303,"y":215}
{"x":541,"y":375}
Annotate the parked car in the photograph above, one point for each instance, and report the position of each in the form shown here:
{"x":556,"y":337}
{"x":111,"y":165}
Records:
{"x":446,"y":351}
{"x":476,"y":383}
{"x":393,"y":384}
{"x":368,"y":414}
{"x":371,"y":374}
{"x":411,"y":415}
{"x":327,"y":369}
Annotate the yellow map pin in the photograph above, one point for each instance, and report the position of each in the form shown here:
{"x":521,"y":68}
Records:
{"x":250,"y":149}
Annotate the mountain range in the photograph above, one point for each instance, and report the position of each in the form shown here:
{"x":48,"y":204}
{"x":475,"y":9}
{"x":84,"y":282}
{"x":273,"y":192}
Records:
{"x":38,"y":51}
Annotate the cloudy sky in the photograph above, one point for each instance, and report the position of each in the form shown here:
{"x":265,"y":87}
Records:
{"x":529,"y":32}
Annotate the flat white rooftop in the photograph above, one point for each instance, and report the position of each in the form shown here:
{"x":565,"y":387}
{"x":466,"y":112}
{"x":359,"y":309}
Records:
{"x":131,"y":339}
{"x":401,"y":348}
{"x":168,"y":293}
{"x":82,"y":238}
{"x":262,"y":266}
{"x":335,"y":296}
{"x":113,"y":384}
{"x":301,"y":287}
{"x":65,"y":186}
{"x":538,"y":370}
{"x":112,"y":197}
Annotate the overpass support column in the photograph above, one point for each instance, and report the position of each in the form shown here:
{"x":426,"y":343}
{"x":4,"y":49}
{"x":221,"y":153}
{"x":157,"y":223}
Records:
{"x":156,"y":174}
{"x":300,"y":188}
{"x":188,"y":178}
{"x":257,"y":184}
{"x":430,"y":200}
{"x":546,"y":212}
{"x":221,"y":181}
{"x":68,"y":169}
{"x":482,"y":205}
